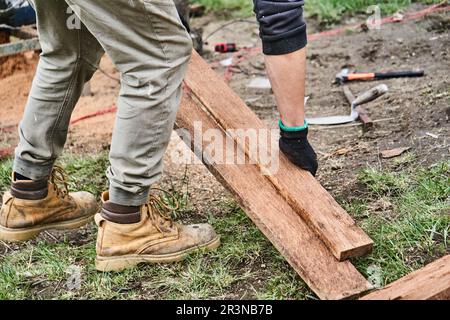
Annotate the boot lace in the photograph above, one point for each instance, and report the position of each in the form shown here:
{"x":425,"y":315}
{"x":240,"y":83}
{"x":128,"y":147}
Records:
{"x":59,"y":180}
{"x":60,"y":183}
{"x":160,"y":210}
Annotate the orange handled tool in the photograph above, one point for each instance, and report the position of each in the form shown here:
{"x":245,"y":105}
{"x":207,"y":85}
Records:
{"x":346,"y":76}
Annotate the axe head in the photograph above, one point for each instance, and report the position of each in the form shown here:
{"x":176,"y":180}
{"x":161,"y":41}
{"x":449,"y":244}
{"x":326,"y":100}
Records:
{"x":341,"y":76}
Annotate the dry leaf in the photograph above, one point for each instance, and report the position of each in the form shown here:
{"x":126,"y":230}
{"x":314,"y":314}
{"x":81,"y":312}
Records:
{"x":341,"y":152}
{"x":387,"y":154}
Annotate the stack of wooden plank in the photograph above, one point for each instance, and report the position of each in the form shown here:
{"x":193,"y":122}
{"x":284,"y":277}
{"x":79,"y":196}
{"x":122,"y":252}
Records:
{"x":289,"y":206}
{"x":300,"y":218}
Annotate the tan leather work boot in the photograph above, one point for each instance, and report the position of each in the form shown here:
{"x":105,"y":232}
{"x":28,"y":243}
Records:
{"x":31,"y":207}
{"x":147,"y":236}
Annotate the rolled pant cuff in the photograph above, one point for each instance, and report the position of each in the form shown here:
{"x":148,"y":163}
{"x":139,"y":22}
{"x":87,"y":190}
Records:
{"x":125,"y":198}
{"x":31,"y":170}
{"x":285,"y":45}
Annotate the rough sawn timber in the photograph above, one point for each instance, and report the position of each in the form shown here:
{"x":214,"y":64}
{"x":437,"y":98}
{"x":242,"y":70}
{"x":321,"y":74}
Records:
{"x":306,"y":253}
{"x":300,"y":189}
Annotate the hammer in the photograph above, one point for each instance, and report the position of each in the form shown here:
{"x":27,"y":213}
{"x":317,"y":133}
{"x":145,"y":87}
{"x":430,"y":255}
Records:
{"x":345,"y":75}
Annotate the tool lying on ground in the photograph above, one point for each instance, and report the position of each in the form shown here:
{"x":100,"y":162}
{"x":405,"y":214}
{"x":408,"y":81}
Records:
{"x":346,"y":76}
{"x":363,"y":115}
{"x":364,"y":98}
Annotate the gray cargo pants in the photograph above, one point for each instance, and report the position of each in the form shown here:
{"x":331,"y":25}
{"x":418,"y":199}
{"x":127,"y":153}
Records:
{"x":149,"y":46}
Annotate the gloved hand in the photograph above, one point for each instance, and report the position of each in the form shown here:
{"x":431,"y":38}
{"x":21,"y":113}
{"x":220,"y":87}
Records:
{"x":296,"y":147}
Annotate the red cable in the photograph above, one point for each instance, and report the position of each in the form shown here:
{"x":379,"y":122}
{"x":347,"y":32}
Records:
{"x":6,"y":152}
{"x":95,"y":114}
{"x":392,"y":19}
{"x":8,"y":128}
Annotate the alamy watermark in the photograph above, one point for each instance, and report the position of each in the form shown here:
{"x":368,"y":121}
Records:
{"x":74,"y":279}
{"x":233,"y":146}
{"x":375,"y":274}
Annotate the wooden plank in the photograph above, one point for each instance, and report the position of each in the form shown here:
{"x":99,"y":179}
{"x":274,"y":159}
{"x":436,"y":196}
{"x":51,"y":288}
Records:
{"x":429,"y":283}
{"x":304,"y":193}
{"x":19,"y":47}
{"x":306,"y":253}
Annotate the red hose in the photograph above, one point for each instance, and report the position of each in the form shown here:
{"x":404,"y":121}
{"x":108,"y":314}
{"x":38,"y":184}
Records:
{"x":95,"y":114}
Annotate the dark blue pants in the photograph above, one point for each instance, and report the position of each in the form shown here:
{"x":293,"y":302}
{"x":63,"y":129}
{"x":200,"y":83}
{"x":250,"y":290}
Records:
{"x":282,"y":27}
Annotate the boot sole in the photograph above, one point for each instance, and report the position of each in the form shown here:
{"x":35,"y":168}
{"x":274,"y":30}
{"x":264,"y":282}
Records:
{"x":19,"y":235}
{"x":108,"y":264}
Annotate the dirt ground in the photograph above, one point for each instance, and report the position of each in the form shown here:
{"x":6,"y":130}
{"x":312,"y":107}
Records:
{"x":415,"y":113}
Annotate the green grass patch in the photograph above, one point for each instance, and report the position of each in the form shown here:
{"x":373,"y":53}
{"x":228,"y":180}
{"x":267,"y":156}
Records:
{"x":229,"y":8}
{"x":330,"y":11}
{"x":410,"y":230}
{"x":246,"y":265}
{"x":326,"y":11}
{"x":413,"y":229}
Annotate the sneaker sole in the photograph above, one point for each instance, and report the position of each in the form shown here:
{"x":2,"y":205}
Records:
{"x":108,"y":264}
{"x":19,"y":235}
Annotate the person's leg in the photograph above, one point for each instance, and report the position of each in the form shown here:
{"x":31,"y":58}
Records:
{"x":68,"y":60}
{"x":287,"y":75}
{"x":151,"y":48}
{"x":39,"y":199}
{"x":283,"y":33}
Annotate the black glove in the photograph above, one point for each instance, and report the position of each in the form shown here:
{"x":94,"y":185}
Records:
{"x":295,"y":145}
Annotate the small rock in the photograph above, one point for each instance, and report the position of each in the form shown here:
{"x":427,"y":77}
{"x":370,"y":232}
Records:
{"x":259,"y":83}
{"x":227,"y":62}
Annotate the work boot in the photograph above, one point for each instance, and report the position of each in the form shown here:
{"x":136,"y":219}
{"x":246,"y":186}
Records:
{"x":31,"y":207}
{"x":147,"y":235}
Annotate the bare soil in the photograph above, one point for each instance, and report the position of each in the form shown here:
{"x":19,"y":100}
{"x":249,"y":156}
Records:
{"x":415,"y":113}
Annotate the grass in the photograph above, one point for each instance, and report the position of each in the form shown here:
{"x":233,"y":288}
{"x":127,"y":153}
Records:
{"x":246,"y":265}
{"x":330,"y":11}
{"x":411,"y":227}
{"x":410,"y":230}
{"x":326,"y":11}
{"x":233,"y":8}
